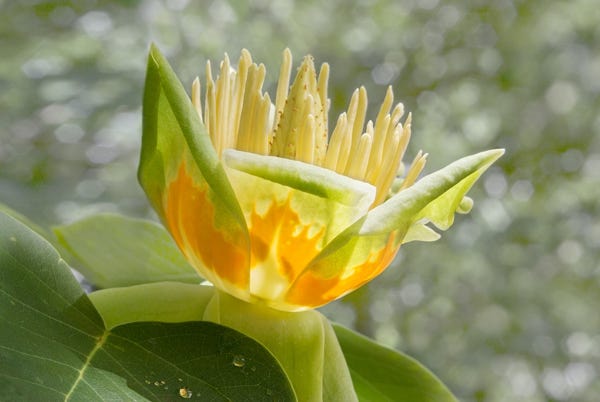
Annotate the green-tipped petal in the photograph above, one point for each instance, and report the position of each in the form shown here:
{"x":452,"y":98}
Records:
{"x":186,"y":183}
{"x":436,"y":197}
{"x":319,"y":196}
{"x":304,"y":177}
{"x":293,"y":211}
{"x":365,"y":249}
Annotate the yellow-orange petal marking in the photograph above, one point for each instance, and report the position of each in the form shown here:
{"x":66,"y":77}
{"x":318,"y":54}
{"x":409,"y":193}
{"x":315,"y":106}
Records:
{"x":190,"y":217}
{"x":312,"y":289}
{"x":279,"y":231}
{"x":281,"y":248}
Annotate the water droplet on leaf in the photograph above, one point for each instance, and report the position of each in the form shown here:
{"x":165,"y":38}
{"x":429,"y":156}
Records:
{"x":239,"y":361}
{"x":185,"y":393}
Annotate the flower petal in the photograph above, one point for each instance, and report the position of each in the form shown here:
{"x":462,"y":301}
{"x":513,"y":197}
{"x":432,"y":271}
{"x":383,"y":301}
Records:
{"x":364,"y":250}
{"x":349,"y":261}
{"x":186,"y":183}
{"x":435,"y":198}
{"x":293,"y":211}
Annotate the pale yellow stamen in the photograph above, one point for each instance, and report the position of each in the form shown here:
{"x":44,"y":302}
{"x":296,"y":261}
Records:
{"x":357,"y":167}
{"x":196,"y":97}
{"x":306,"y":141}
{"x":358,"y":121}
{"x":283,"y":84}
{"x":415,"y":169}
{"x":239,"y":115}
{"x":335,"y":143}
{"x":210,"y":109}
{"x":398,"y":142}
{"x":240,"y":90}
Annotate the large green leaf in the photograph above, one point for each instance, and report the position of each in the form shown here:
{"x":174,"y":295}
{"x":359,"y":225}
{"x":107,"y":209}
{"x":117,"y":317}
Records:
{"x":304,"y":342}
{"x":381,"y":374}
{"x":113,"y":250}
{"x":54,"y":347}
{"x":160,"y":301}
{"x":25,"y":220}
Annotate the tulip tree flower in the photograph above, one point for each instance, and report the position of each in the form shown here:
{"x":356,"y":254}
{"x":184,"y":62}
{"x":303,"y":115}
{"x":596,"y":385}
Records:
{"x":270,"y":205}
{"x":271,"y":208}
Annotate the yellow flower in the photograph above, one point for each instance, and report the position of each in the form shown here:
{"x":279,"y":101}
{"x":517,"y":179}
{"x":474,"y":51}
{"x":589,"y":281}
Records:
{"x":266,"y":204}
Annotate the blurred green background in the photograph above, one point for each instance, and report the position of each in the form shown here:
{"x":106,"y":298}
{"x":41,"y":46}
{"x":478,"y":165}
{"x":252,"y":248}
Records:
{"x":505,"y":306}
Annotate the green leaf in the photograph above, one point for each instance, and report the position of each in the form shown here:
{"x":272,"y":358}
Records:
{"x":381,"y":374}
{"x":54,"y":347}
{"x":113,"y":250}
{"x":298,"y":345}
{"x":304,"y":341}
{"x":161,"y":301}
{"x":337,"y":380}
{"x":25,"y":220}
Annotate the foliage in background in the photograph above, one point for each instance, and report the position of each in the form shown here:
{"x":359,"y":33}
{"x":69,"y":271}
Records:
{"x":504,"y":308}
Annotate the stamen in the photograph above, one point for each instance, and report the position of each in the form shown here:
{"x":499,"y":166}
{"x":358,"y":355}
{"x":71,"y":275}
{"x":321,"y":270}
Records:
{"x":358,"y":122}
{"x":283,"y":85}
{"x":237,"y":114}
{"x":250,"y":108}
{"x":359,"y":164}
{"x":346,"y":143}
{"x":391,"y":164}
{"x":261,"y":139}
{"x":386,"y":104}
{"x":223,"y":105}
{"x":379,"y":137}
{"x":335,"y":143}
{"x":397,"y":113}
{"x":240,"y":91}
{"x":306,"y":141}
{"x":415,"y":170}
{"x":321,"y":112}
{"x":210,"y":109}
{"x":381,"y":130}
{"x":196,"y":97}
{"x":386,"y":178}
{"x":323,"y":81}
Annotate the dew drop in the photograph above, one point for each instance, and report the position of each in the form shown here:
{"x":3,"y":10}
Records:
{"x":185,"y":393}
{"x":239,"y":361}
{"x":156,"y":383}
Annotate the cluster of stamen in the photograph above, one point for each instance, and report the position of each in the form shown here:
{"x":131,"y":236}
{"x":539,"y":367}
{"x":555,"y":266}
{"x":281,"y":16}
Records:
{"x":237,"y":114}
